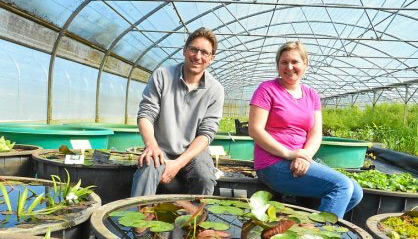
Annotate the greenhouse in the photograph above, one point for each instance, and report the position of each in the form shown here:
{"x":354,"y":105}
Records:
{"x":260,"y":118}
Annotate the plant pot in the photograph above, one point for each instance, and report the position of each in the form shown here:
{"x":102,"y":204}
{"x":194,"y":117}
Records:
{"x":104,"y":227}
{"x":74,"y":225}
{"x":373,"y":222}
{"x":124,"y":136}
{"x":18,"y":162}
{"x":377,"y":202}
{"x":342,"y":153}
{"x":239,"y":179}
{"x":113,"y":181}
{"x":53,"y":136}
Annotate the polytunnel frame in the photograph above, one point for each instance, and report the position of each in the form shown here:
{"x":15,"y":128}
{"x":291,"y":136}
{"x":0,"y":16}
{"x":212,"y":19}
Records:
{"x":108,"y":52}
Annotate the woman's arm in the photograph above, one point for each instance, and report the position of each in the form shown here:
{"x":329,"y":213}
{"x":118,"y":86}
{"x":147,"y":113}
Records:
{"x":314,"y":136}
{"x":256,"y":128}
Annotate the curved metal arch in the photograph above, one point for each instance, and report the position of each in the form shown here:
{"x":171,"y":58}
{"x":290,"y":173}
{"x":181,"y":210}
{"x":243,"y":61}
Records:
{"x":214,"y":29}
{"x":329,"y":56}
{"x":378,"y":50}
{"x":109,"y":51}
{"x":345,"y":62}
{"x":54,"y":54}
{"x":267,"y":11}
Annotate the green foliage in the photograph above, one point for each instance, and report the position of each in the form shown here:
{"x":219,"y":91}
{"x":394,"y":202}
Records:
{"x":383,"y":123}
{"x":227,"y":124}
{"x":5,"y":145}
{"x":403,"y":182}
{"x":5,"y":196}
{"x":402,"y":227}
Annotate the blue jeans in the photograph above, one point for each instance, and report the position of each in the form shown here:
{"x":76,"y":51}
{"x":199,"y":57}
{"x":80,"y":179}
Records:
{"x":339,"y":194}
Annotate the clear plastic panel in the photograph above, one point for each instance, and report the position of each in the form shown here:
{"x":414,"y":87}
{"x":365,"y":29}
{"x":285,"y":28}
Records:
{"x":112,"y":98}
{"x":74,"y":91}
{"x":23,"y":83}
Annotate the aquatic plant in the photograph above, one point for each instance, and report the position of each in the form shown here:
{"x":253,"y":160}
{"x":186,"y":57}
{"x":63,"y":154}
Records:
{"x":5,"y":145}
{"x":260,"y":218}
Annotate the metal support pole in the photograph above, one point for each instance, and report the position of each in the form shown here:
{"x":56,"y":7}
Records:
{"x":54,"y":54}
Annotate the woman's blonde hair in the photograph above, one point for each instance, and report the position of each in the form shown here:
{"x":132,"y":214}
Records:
{"x":293,"y":45}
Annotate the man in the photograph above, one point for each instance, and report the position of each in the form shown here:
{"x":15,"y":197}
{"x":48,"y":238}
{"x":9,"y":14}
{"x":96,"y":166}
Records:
{"x":178,"y":118}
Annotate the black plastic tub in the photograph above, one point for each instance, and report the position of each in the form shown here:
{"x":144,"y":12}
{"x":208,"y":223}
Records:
{"x":113,"y":181}
{"x":105,"y":228}
{"x":377,"y":202}
{"x":18,"y":162}
{"x":76,"y":225}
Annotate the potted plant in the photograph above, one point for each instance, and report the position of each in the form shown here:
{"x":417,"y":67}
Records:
{"x":15,"y":159}
{"x":383,"y":193}
{"x":113,"y":171}
{"x":36,"y":206}
{"x":394,"y":225}
{"x":198,"y":216}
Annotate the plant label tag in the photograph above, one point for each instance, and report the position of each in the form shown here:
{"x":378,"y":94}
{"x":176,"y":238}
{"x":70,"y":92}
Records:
{"x":74,"y":159}
{"x":100,"y":156}
{"x":218,"y":173}
{"x":80,"y":144}
{"x":217,"y":150}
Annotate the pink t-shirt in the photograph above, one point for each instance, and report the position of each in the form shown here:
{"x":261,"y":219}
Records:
{"x":289,"y":119}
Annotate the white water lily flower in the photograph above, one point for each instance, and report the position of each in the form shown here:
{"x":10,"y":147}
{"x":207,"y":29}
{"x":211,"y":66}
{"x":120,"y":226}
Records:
{"x":71,"y":197}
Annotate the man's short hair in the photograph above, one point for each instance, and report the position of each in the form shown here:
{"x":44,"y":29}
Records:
{"x":205,"y":33}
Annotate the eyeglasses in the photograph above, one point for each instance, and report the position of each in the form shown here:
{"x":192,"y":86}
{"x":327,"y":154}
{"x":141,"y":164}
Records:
{"x":196,"y":50}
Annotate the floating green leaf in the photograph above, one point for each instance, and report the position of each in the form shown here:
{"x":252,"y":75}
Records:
{"x":324,"y":217}
{"x":286,"y":235}
{"x":335,"y":228}
{"x":279,"y":206}
{"x":159,"y":226}
{"x":259,"y":204}
{"x":226,"y":209}
{"x":214,"y":225}
{"x":125,"y":213}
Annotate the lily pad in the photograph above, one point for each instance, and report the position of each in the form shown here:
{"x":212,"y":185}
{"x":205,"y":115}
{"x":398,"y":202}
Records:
{"x":286,"y":235}
{"x":226,"y":209}
{"x":127,"y":213}
{"x":214,"y":225}
{"x":335,"y":228}
{"x":324,"y":217}
{"x":159,"y":226}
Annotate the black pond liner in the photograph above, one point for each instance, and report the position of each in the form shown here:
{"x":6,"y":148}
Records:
{"x":18,"y":163}
{"x":103,"y":227}
{"x":403,"y":160}
{"x":77,"y":227}
{"x":113,"y":182}
{"x":377,"y":202}
{"x":372,"y":224}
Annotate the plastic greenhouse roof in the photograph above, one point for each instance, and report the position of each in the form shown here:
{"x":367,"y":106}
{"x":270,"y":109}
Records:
{"x":359,"y":49}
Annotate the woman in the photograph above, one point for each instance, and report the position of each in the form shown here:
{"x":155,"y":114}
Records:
{"x":286,"y":125}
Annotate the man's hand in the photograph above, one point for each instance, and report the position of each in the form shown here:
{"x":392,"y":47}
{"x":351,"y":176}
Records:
{"x":299,"y":167}
{"x":152,"y":152}
{"x":171,"y":169}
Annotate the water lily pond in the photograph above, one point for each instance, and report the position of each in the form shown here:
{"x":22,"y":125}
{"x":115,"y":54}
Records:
{"x":255,"y":218}
{"x":27,"y":205}
{"x":95,"y":157}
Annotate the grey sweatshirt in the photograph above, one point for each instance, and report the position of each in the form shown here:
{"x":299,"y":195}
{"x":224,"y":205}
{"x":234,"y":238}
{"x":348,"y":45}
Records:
{"x":179,"y":116}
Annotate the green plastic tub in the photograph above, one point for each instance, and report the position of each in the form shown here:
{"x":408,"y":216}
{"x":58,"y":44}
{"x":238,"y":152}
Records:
{"x":238,"y":147}
{"x":53,"y":136}
{"x":125,"y":136}
{"x":342,"y":153}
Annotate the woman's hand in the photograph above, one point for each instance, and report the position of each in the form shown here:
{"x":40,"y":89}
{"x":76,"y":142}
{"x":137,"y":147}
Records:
{"x":299,"y":167}
{"x":299,"y":153}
